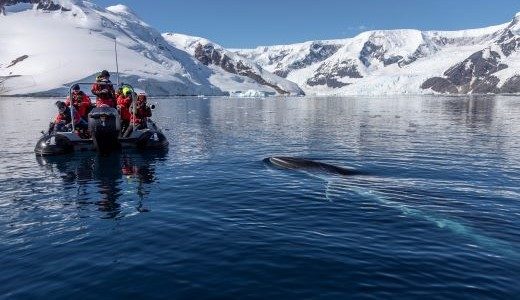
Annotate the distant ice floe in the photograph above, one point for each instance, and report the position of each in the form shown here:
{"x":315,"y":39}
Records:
{"x":250,"y":94}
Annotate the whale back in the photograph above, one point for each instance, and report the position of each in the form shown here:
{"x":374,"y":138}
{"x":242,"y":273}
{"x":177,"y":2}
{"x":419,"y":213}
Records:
{"x":296,"y":163}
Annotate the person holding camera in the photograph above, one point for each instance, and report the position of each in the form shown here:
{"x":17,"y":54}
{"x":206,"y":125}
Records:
{"x":142,"y":112}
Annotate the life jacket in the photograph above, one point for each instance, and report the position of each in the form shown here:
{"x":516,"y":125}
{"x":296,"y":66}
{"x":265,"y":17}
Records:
{"x":65,"y":116}
{"x":124,"y":107}
{"x":81,"y":103}
{"x":143,"y":111}
{"x":104,"y":98}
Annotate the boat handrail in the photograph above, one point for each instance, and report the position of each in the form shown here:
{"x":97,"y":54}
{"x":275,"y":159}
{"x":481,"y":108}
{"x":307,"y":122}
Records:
{"x":73,"y":127}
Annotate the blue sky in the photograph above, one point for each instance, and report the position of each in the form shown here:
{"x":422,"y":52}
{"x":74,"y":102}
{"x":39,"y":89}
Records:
{"x":250,"y":23}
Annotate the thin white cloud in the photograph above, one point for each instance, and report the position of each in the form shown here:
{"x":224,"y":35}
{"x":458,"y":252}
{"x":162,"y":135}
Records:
{"x":355,"y":29}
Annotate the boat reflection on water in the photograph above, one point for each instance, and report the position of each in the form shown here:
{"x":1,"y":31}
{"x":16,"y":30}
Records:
{"x":89,"y":178}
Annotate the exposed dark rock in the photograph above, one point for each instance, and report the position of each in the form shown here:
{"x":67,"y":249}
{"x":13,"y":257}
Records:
{"x":475,"y":66}
{"x":505,"y":36}
{"x":512,"y":85}
{"x":440,"y":85}
{"x":50,"y":6}
{"x":508,"y":42}
{"x":422,"y":51}
{"x":47,"y":5}
{"x":326,"y":80}
{"x":19,"y":59}
{"x":207,"y":54}
{"x":203,"y":54}
{"x":485,"y":85}
{"x":330,"y":74}
{"x":282,"y":73}
{"x":317,"y":52}
{"x":473,"y":75}
{"x":440,"y":41}
{"x":278,"y":57}
{"x":247,"y":71}
{"x":510,"y":46}
{"x":346,"y":68}
{"x":370,"y":50}
{"x":392,"y":60}
{"x":227,"y":64}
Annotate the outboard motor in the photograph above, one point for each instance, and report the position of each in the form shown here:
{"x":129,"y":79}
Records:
{"x":104,"y":125}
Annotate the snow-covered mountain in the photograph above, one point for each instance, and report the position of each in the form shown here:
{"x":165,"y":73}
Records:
{"x":46,"y":45}
{"x":223,"y":61}
{"x":401,"y":61}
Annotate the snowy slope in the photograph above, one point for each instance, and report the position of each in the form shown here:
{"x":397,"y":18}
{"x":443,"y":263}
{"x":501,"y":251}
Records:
{"x":224,"y":62}
{"x":401,"y":61}
{"x":62,"y":46}
{"x":47,"y":46}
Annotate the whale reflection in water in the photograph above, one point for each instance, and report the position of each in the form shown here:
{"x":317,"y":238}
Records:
{"x":93,"y":179}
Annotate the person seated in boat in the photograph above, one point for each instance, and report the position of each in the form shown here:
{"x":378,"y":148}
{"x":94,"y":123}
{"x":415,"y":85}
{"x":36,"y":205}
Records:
{"x":124,"y":100}
{"x":143,"y":112}
{"x":104,"y":90}
{"x":80,"y":101}
{"x":63,"y":120}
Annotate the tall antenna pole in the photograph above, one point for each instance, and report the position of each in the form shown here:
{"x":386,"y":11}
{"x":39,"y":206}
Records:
{"x":117,"y":64}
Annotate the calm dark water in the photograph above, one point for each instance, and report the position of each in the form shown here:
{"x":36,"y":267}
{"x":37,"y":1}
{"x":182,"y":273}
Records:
{"x":435,"y":215}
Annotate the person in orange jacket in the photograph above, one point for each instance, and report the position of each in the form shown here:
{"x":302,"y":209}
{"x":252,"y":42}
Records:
{"x":80,"y":101}
{"x":104,"y":90}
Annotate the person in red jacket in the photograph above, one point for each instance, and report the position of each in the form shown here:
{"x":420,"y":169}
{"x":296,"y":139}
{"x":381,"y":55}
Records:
{"x":124,"y":100}
{"x":104,"y":90}
{"x":80,"y":101}
{"x":143,"y":112}
{"x":63,"y":120}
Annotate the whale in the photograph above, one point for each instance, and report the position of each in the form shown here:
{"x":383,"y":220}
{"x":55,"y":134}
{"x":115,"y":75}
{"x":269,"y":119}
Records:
{"x":295,"y":163}
{"x":341,"y":181}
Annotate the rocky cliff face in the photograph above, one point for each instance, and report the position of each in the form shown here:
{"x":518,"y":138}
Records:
{"x":477,"y":73}
{"x":207,"y":54}
{"x":215,"y":56}
{"x":331,"y":75}
{"x":317,"y":52}
{"x":472,"y":75}
{"x":47,"y":5}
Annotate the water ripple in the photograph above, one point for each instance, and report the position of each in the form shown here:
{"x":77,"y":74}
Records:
{"x":433,"y":215}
